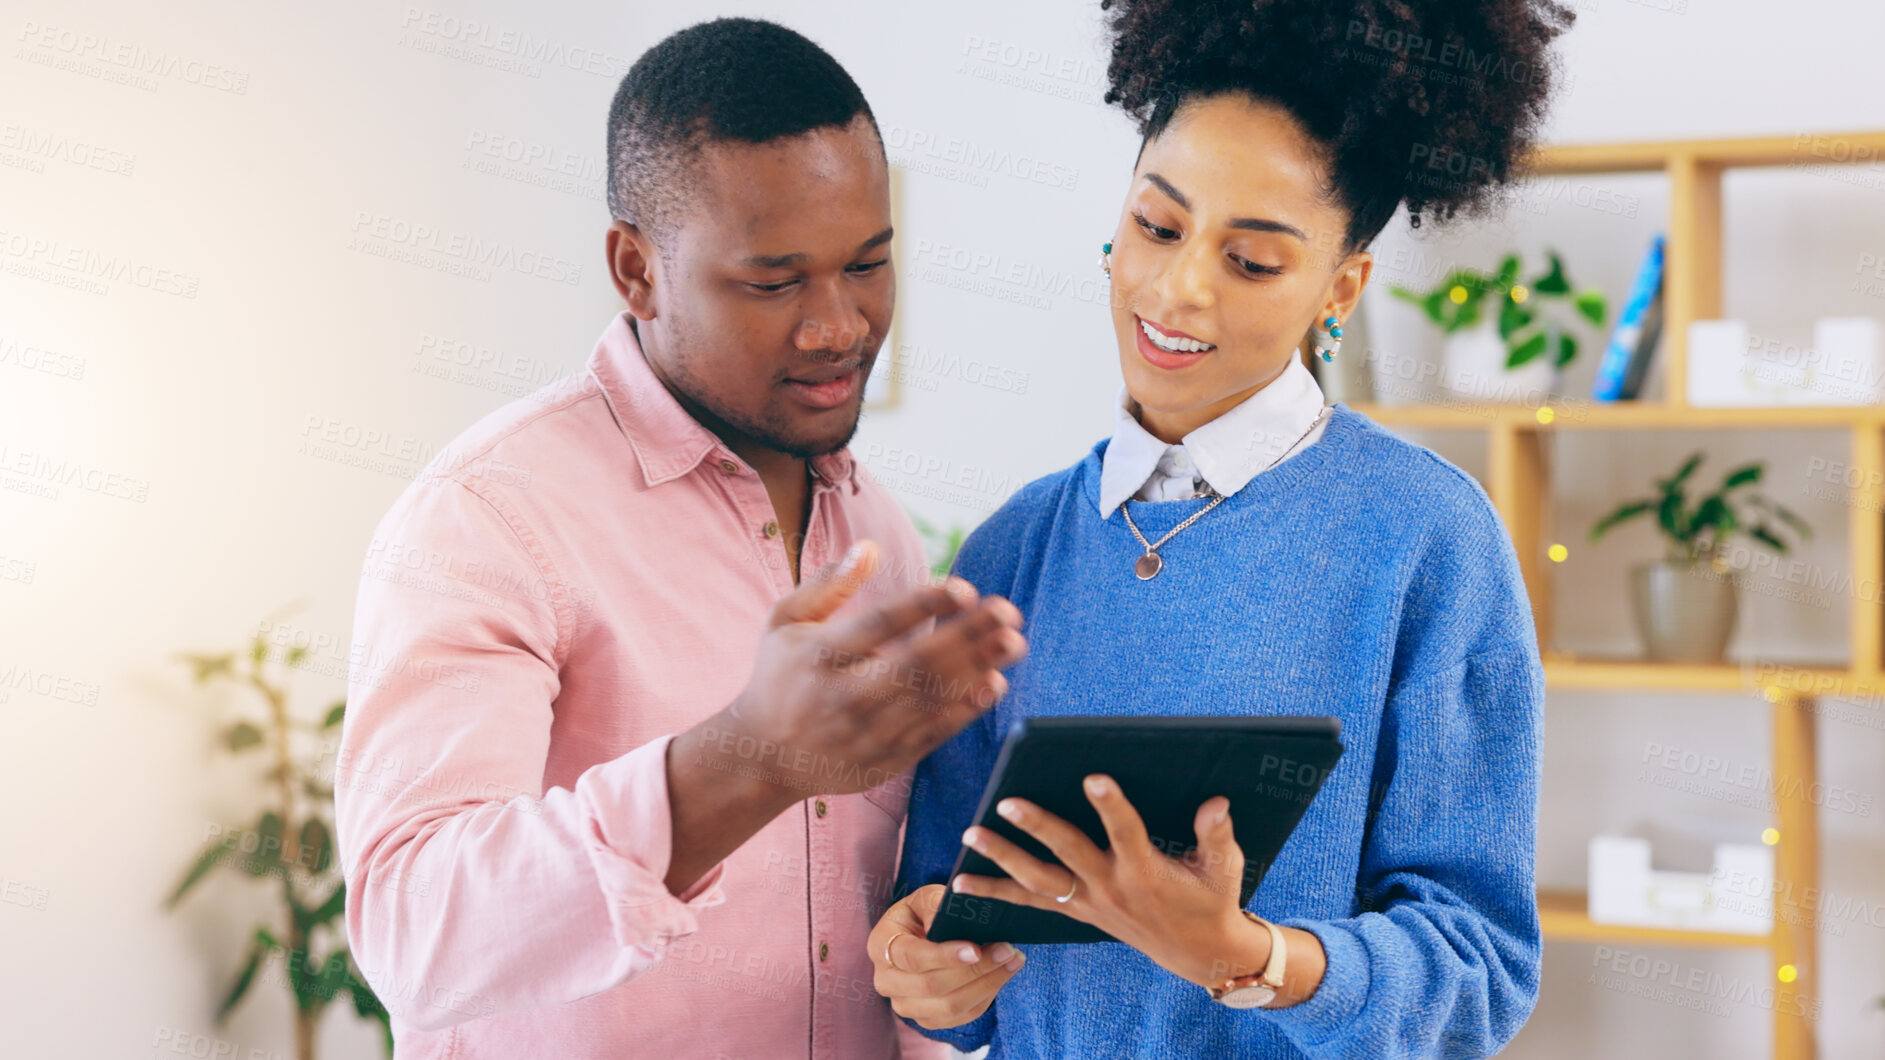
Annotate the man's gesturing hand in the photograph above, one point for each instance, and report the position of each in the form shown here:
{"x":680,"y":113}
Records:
{"x":835,"y":706}
{"x":839,"y":706}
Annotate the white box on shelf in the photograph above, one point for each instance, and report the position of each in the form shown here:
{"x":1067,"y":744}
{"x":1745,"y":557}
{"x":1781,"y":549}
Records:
{"x":1719,"y":368}
{"x":1844,"y":362}
{"x":1736,"y":897}
{"x":1729,"y":367}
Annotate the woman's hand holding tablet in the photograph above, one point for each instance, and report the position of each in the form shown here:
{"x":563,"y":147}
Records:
{"x":937,"y":984}
{"x":1180,"y":911}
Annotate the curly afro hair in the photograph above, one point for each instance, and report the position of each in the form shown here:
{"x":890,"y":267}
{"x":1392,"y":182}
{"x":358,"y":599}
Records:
{"x":1435,"y":103}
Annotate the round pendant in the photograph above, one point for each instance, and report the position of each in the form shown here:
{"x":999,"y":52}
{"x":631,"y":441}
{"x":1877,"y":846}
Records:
{"x":1147,"y":565}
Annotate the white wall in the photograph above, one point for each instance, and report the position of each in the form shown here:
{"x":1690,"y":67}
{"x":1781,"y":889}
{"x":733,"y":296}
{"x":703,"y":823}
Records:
{"x":269,"y":327}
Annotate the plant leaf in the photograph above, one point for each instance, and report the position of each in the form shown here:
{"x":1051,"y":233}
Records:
{"x":1512,"y":317}
{"x":1761,"y":533}
{"x":241,"y":735}
{"x":1669,"y":513}
{"x":1567,"y":350}
{"x":1435,"y":304}
{"x":1712,"y":514}
{"x":1552,"y":282}
{"x":208,"y":666}
{"x":1743,"y":475}
{"x":1508,"y":271}
{"x":1625,"y":511}
{"x":266,"y":861}
{"x":1591,"y":304}
{"x":260,"y":945}
{"x":207,"y":860}
{"x":334,"y":714}
{"x":1526,"y":351}
{"x":317,"y":846}
{"x":1688,"y":468}
{"x":333,"y":906}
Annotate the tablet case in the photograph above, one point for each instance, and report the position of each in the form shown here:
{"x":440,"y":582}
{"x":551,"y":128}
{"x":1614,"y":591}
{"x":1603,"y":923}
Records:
{"x":1269,"y":767}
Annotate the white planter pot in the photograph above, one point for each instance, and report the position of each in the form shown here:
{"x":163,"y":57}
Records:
{"x":1472,"y":365}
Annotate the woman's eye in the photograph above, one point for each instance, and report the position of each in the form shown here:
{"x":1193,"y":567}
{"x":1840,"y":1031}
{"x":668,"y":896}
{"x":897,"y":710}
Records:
{"x":1255,"y":269}
{"x":1154,"y":230}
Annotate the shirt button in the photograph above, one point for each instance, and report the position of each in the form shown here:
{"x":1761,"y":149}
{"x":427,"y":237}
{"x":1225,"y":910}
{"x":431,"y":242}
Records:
{"x":729,"y":467}
{"x":824,"y":951}
{"x":771,"y":529}
{"x":820,"y":808}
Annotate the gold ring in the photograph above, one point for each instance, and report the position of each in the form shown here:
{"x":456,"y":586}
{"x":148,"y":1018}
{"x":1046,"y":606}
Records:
{"x":888,"y":963}
{"x":1063,"y":899}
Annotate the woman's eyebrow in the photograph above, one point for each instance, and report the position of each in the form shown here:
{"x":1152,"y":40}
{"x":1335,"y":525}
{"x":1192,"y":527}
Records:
{"x":1254,"y":224}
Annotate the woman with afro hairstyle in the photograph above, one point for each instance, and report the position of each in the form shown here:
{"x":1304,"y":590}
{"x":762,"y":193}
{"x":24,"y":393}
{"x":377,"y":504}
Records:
{"x":1236,"y":547}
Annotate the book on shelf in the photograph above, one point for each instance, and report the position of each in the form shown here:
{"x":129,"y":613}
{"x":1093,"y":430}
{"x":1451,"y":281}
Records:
{"x":1639,"y":325}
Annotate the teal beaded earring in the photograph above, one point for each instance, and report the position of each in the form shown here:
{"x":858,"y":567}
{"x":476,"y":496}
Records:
{"x":1331,"y":329}
{"x":1106,"y":258}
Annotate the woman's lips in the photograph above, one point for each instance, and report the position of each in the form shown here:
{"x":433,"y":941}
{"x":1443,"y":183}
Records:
{"x":828,"y":394}
{"x":1165,"y":358}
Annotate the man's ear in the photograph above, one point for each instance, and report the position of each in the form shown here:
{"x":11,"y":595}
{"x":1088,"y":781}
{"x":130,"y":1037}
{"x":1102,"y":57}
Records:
{"x":631,"y":256}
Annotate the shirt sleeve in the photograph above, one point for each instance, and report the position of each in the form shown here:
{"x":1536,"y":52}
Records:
{"x":471,"y":890}
{"x":1443,"y":957}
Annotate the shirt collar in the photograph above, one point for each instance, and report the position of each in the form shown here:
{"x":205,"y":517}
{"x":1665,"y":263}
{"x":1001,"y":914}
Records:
{"x":667,"y":440}
{"x":1228,"y":451}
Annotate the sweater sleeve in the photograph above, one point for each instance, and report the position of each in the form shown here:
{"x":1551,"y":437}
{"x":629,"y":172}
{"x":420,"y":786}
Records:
{"x":1442,"y":958}
{"x":948,"y":784}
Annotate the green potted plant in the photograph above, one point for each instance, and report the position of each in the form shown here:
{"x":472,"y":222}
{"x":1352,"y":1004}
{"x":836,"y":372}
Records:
{"x":1506,"y":338}
{"x":289,"y":845}
{"x":1686,"y":602}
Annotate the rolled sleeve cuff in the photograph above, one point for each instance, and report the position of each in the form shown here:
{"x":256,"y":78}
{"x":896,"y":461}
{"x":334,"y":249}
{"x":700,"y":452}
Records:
{"x":1326,"y":1014}
{"x":630,"y":843}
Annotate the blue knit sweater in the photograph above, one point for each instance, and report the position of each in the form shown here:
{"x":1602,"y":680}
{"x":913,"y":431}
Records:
{"x":1365,"y":578}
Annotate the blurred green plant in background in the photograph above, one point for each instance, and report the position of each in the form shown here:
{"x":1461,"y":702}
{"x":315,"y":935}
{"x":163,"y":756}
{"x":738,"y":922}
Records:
{"x":290,"y":845}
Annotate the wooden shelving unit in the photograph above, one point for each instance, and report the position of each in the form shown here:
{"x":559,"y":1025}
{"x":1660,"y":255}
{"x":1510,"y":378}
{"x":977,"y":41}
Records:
{"x":1518,"y":481}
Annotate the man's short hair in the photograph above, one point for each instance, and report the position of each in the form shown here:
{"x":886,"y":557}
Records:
{"x":732,"y":79}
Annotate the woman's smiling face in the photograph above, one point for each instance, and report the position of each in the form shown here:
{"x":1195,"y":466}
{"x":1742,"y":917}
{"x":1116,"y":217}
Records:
{"x":1226,"y":254}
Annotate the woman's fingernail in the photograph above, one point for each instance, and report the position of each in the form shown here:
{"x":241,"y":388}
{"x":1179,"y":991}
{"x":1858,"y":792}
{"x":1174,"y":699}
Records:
{"x":966,"y":954}
{"x":1019,"y":960}
{"x":1097,"y":786}
{"x":1010,"y":809}
{"x":972,"y":839}
{"x":1000,"y":952}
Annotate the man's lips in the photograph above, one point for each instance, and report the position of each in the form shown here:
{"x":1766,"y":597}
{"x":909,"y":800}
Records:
{"x":827,"y":388}
{"x":824,"y":374}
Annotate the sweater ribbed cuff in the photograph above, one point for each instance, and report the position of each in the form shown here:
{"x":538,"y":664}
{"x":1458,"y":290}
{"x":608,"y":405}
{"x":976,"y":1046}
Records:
{"x":1328,"y":1012}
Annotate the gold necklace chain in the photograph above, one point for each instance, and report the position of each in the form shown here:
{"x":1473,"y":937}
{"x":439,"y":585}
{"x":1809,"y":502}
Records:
{"x":1148,"y":565}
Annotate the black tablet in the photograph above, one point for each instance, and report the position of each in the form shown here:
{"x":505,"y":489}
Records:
{"x":1269,"y":767}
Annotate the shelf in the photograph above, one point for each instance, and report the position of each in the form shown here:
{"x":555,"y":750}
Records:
{"x":1569,"y":672}
{"x":1583,"y":414}
{"x":1811,"y":149}
{"x":1563,"y":916}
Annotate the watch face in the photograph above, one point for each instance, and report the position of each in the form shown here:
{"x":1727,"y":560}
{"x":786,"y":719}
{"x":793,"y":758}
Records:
{"x":1254,"y":996}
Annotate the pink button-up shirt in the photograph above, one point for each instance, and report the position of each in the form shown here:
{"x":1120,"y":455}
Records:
{"x":581,"y":575}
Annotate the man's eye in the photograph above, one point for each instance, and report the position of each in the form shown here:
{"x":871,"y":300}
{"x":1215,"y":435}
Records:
{"x":1154,"y":230}
{"x":771,"y":288}
{"x":865,"y":267}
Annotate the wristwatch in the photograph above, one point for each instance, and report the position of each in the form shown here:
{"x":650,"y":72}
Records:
{"x":1256,"y":991}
